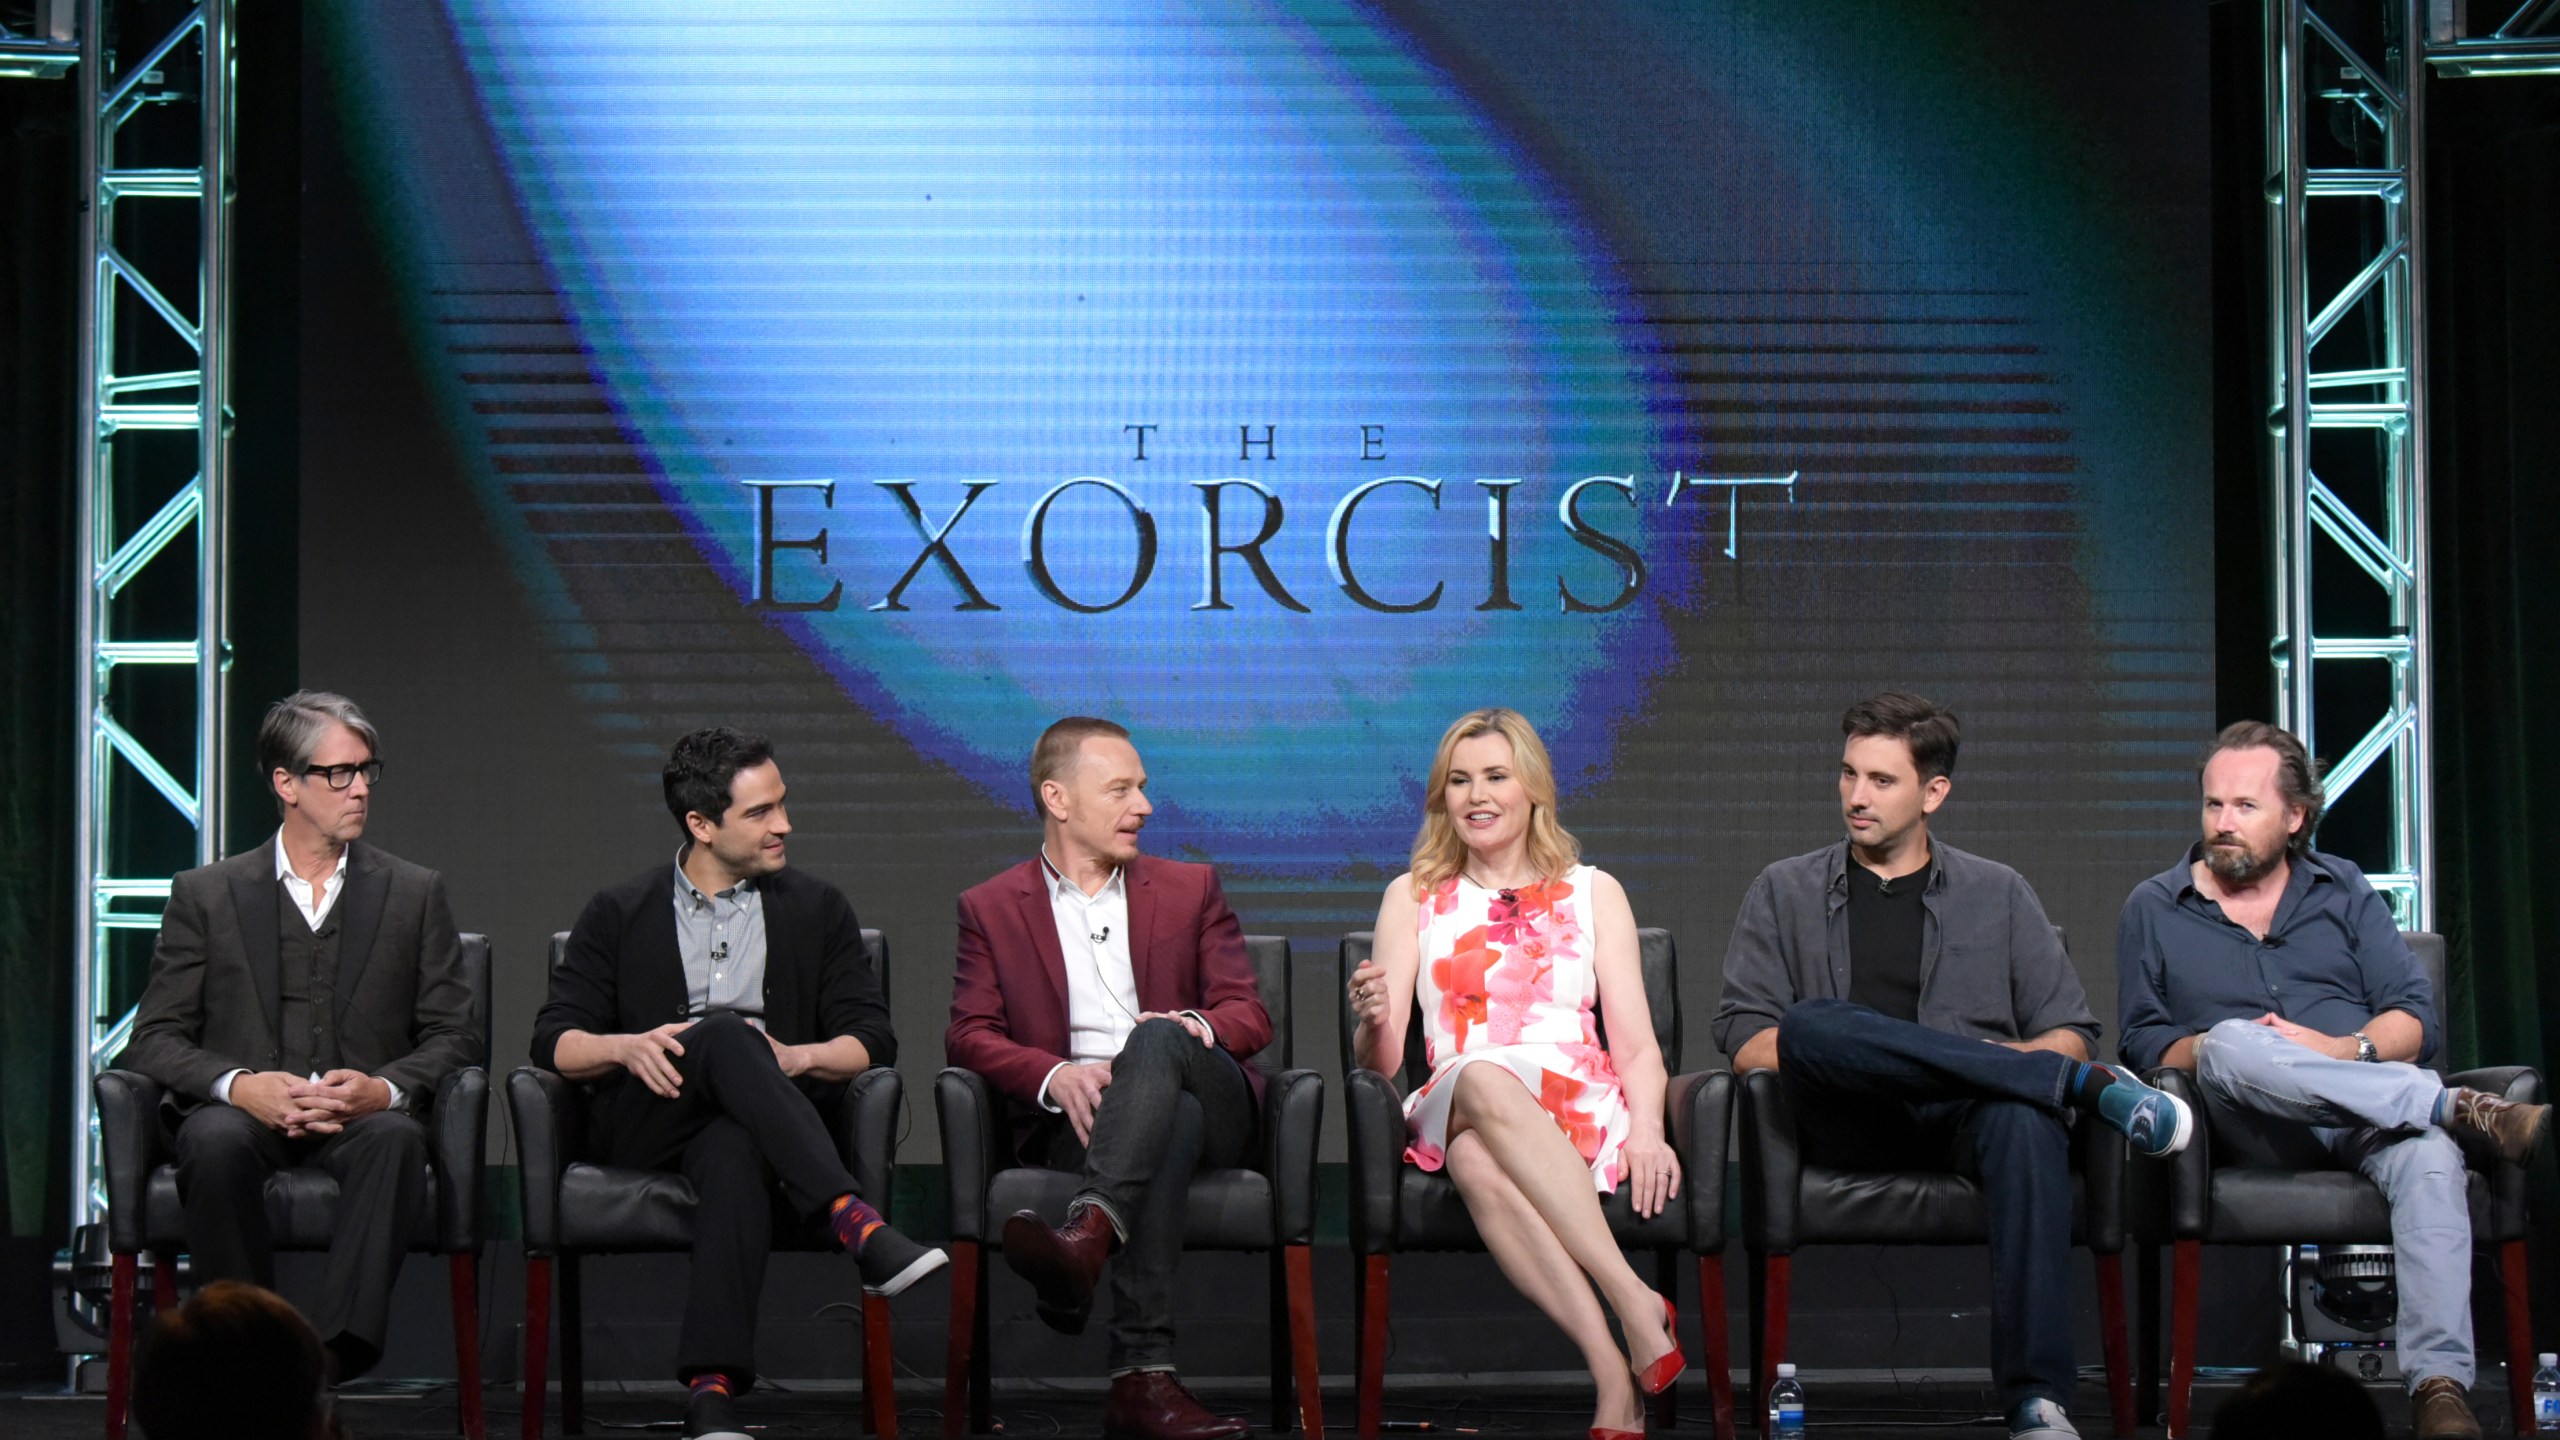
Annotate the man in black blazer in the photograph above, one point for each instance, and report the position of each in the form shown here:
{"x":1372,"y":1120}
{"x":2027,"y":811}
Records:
{"x":305,"y":1001}
{"x":719,"y":1005}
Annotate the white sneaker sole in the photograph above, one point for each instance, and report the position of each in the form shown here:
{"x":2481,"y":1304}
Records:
{"x":920,"y":1267}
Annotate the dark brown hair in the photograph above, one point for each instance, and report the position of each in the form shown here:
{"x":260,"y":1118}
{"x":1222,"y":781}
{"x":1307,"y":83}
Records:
{"x":235,"y":1360}
{"x":2297,"y":774}
{"x":1929,"y":729}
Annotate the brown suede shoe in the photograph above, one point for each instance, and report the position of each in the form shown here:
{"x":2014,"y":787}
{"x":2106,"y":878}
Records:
{"x":2438,"y":1410}
{"x":2512,"y":1129}
{"x":1061,"y":1263}
{"x":1152,"y":1405}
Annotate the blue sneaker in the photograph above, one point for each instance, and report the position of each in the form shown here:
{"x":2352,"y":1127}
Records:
{"x":2041,"y":1419}
{"x":2157,"y":1122}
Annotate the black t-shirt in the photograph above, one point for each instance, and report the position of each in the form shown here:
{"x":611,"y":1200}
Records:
{"x":1885,"y":920}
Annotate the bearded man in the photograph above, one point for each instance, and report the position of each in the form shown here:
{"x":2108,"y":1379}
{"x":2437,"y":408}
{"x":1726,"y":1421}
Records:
{"x":2277,"y":974}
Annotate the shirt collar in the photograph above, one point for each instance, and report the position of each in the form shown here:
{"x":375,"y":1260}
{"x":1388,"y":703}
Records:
{"x":685,"y":885}
{"x":1059,"y":884}
{"x":284,"y":864}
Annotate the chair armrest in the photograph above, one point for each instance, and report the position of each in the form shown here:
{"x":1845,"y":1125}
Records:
{"x":549,"y":1132}
{"x":1292,"y":1118}
{"x":2508,"y":1182}
{"x":458,"y":1139}
{"x":130,"y":1135}
{"x":866,"y":1132}
{"x":1772,"y":1165}
{"x":2099,"y":1152}
{"x":969,"y":1117}
{"x":2174,"y":1197}
{"x":1698,"y":1110}
{"x":1377,"y":1135}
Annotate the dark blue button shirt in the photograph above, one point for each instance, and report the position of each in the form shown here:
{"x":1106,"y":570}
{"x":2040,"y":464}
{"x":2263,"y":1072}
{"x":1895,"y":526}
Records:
{"x":2332,"y":960}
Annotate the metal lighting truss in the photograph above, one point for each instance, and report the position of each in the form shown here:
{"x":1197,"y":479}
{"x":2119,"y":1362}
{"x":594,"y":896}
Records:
{"x":153,"y":635}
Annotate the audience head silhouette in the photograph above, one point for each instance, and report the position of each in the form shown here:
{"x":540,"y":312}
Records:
{"x":2311,"y":1402}
{"x":233,"y":1363}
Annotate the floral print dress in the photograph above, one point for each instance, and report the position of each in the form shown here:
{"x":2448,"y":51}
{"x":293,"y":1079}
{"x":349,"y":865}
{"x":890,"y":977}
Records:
{"x":1506,"y":976}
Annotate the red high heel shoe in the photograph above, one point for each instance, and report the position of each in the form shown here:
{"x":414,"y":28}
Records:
{"x":1601,"y":1433}
{"x":1658,"y":1376}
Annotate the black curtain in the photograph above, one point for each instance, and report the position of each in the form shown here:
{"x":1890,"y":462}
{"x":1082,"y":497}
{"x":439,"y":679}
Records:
{"x":2494,"y":347}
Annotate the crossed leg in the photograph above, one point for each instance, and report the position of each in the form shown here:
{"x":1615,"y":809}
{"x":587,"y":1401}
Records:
{"x":1531,"y":1197}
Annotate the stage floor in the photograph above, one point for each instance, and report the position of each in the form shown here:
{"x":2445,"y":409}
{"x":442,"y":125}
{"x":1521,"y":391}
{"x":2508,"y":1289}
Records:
{"x":1496,"y":1406}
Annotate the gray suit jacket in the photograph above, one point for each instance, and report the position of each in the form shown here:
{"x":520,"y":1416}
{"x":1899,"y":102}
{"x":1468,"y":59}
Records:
{"x":403,"y":1007}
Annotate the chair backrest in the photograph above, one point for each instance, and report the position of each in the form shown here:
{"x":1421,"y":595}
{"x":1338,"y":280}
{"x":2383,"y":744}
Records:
{"x":476,"y":964}
{"x":874,"y":944}
{"x":2429,"y":948}
{"x":1272,"y":973}
{"x":1656,"y":954}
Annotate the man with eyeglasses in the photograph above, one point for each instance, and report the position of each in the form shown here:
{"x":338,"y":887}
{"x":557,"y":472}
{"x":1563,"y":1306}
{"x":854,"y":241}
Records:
{"x":306,"y":999}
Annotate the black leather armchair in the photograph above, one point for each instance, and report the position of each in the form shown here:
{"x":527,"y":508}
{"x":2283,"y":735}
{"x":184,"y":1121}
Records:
{"x":2188,"y":1201}
{"x":144,"y":1213}
{"x":1788,"y":1204}
{"x":1396,"y":1207}
{"x":573,"y":1208}
{"x":1270,"y":1206}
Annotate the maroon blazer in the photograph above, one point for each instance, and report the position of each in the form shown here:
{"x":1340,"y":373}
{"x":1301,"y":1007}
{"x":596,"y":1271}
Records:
{"x":1009,"y":990}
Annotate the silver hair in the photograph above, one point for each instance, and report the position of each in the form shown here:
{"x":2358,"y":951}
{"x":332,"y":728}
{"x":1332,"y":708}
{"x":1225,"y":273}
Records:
{"x":294,"y":725}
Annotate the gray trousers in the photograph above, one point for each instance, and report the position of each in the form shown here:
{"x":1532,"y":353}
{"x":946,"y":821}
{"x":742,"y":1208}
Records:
{"x":2273,"y":1102}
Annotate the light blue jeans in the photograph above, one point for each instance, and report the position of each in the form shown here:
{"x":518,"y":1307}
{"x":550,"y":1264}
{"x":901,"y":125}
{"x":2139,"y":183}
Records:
{"x":2272,"y":1101}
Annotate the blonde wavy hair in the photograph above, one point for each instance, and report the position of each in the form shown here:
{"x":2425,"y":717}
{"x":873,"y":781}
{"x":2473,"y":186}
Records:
{"x":1438,"y":853}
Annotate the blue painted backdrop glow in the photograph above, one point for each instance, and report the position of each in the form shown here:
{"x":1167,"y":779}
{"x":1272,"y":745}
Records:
{"x":916,"y":249}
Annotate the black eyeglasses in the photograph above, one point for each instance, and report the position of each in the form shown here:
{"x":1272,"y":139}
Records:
{"x":342,"y":776}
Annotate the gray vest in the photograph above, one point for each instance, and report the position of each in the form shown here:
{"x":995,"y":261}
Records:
{"x":306,"y":988}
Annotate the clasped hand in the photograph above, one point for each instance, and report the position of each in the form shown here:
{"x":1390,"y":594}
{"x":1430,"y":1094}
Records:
{"x":300,"y":1107}
{"x":648,"y":1055}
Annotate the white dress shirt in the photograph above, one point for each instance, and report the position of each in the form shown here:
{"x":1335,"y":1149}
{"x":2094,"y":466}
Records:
{"x":1102,"y":987}
{"x":315,"y":906}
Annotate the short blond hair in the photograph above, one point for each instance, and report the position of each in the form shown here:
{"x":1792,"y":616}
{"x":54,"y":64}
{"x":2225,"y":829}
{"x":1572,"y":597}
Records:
{"x":1438,"y":853}
{"x":1059,"y":744}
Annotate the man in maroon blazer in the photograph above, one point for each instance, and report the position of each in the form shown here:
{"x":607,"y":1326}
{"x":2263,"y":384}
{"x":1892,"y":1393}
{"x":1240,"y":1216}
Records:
{"x":1107,"y":995}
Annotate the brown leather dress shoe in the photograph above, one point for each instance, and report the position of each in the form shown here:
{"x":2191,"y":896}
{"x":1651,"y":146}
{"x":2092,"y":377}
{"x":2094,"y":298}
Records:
{"x":1061,"y":1262}
{"x":1152,"y":1405}
{"x":2438,"y":1410}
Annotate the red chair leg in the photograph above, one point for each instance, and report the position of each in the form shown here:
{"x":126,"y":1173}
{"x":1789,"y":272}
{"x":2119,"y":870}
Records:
{"x":2116,"y":1341}
{"x":1666,"y":1281}
{"x":879,"y":1370}
{"x":537,"y":1342}
{"x":2186,"y":1278}
{"x":465,"y":1269}
{"x":164,"y":1284}
{"x":957,"y":1356}
{"x":1773,"y":1326}
{"x":2520,"y":1365}
{"x":573,"y":1346}
{"x":119,"y":1344}
{"x":1370,"y":1373}
{"x":982,"y":1378}
{"x":1719,"y":1348}
{"x":1302,"y":1341}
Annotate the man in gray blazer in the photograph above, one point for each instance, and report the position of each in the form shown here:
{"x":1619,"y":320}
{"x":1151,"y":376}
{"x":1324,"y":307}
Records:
{"x":306,"y":999}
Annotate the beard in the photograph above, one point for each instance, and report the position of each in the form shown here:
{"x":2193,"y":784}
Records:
{"x":2235,"y":863}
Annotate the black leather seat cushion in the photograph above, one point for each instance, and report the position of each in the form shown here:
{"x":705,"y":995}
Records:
{"x":1227,"y":1209}
{"x":2313,"y":1207}
{"x":608,"y":1209}
{"x":1432,"y":1215}
{"x":1904,"y":1207}
{"x":302,"y":1210}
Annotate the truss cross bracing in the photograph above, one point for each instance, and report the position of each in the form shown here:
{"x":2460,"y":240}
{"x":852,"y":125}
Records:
{"x":155,"y":159}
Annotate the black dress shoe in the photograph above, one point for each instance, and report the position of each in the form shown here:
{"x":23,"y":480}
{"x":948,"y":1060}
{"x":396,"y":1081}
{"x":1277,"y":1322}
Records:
{"x":711,"y":1415}
{"x":1060,"y":1262}
{"x":890,"y":1262}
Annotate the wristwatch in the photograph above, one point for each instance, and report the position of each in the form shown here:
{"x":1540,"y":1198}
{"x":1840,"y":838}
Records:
{"x":2365,"y":1050}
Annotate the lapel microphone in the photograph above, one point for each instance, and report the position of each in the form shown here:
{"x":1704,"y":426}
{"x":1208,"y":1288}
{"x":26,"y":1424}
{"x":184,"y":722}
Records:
{"x":1098,"y":939}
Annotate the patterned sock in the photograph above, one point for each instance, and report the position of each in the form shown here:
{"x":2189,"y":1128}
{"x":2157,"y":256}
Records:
{"x":2445,"y":1100}
{"x":2088,"y":1082}
{"x":716,"y":1383}
{"x":852,"y":1222}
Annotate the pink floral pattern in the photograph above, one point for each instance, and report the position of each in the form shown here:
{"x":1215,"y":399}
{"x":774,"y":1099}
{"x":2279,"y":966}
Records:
{"x":1506,"y":978}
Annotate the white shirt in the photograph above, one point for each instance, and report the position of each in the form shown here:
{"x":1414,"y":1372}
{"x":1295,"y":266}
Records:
{"x":315,"y":908}
{"x":1102,"y":987}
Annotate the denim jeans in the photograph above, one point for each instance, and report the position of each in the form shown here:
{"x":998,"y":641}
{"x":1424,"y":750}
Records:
{"x":1174,"y":1107}
{"x":1874,"y":1093}
{"x":2273,"y":1102}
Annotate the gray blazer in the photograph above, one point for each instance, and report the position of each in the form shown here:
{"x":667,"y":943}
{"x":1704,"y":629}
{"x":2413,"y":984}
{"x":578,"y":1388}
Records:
{"x":403,"y":1008}
{"x":1990,"y":965}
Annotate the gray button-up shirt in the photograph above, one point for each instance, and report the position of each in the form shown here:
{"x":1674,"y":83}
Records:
{"x":721,"y":938}
{"x":1991,"y":965}
{"x":2333,"y":958}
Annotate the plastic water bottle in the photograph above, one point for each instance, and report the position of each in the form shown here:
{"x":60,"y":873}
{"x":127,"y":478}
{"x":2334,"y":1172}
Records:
{"x":2546,"y":1396}
{"x":1786,"y":1403}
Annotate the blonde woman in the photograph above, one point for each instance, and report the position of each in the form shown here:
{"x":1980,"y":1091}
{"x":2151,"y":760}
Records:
{"x":1512,"y":942}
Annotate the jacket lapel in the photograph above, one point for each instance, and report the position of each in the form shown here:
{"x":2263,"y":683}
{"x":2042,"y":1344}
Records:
{"x":781,"y":977}
{"x":1042,"y":922}
{"x":1139,"y":884}
{"x":359,"y":920}
{"x":253,"y":902}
